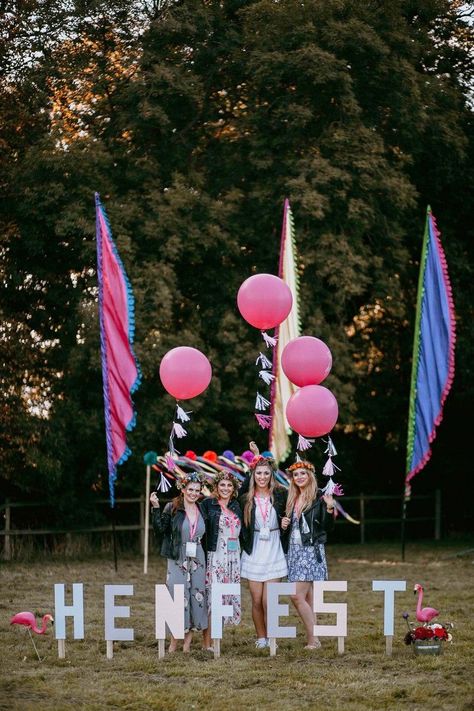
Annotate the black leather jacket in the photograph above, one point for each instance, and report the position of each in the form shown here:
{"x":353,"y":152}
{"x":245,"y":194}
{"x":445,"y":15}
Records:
{"x":318,"y":523}
{"x":211,"y":511}
{"x":247,"y":532}
{"x":167,"y":527}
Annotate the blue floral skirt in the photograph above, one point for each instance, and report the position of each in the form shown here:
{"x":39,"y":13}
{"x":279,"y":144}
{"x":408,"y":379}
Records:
{"x":306,"y":563}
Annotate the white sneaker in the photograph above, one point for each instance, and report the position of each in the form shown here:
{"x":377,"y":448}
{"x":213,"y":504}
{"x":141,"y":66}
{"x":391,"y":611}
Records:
{"x":261,"y":643}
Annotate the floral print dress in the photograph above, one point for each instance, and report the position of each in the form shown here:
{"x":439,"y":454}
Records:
{"x":305,"y":563}
{"x":223,"y":565}
{"x":191,"y":573}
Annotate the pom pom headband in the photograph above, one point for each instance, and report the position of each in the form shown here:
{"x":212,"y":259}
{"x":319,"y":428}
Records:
{"x":190,"y":478}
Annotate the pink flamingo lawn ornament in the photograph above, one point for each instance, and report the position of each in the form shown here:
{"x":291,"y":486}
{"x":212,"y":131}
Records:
{"x":29,"y":621}
{"x":425,"y":614}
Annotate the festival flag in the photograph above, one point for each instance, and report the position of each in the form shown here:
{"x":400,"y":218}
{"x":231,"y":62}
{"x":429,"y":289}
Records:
{"x":433,"y":352}
{"x":121,"y":374}
{"x":282,"y":389}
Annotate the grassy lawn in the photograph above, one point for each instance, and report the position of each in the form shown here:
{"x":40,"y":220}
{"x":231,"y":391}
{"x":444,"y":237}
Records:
{"x":363,"y":678}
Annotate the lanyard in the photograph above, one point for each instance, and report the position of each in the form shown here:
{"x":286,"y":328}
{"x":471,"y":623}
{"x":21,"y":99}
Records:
{"x":192,"y":525}
{"x":231,"y":517}
{"x":263,"y":512}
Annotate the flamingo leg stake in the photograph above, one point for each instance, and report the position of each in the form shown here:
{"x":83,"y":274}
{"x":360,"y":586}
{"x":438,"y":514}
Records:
{"x":34,"y":645}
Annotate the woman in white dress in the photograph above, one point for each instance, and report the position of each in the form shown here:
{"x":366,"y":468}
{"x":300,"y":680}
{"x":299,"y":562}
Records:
{"x":263,"y":558}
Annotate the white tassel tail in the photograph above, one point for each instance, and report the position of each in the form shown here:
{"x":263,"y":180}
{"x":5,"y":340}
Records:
{"x":330,"y":468}
{"x":164,"y":485}
{"x":182,"y":415}
{"x":261,"y":403}
{"x":179,"y":430}
{"x":330,"y":449}
{"x":264,"y":362}
{"x":270,"y":342}
{"x":266,"y":376}
{"x":304,"y":443}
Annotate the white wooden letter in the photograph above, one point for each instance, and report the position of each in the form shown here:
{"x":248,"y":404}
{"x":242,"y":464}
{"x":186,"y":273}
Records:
{"x":219,"y":610}
{"x":275,"y":609}
{"x":76,"y":610}
{"x":112,"y":611}
{"x":169,"y":612}
{"x":340,"y":608}
{"x":389,"y":587}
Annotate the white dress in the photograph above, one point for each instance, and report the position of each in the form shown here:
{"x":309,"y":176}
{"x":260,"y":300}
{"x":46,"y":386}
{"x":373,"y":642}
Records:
{"x":267,"y":560}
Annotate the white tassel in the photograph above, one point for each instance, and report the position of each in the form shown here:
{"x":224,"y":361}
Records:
{"x":179,"y":430}
{"x":270,"y":342}
{"x":182,"y":415}
{"x":328,"y":490}
{"x":330,"y":468}
{"x":261,"y":403}
{"x":164,"y":485}
{"x":304,"y":443}
{"x":266,"y":376}
{"x":330,"y":449}
{"x":264,"y":362}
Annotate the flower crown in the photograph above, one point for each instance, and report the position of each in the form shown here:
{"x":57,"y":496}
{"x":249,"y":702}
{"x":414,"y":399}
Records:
{"x":189,"y":478}
{"x":225,"y":475}
{"x":301,"y":465}
{"x":259,"y":459}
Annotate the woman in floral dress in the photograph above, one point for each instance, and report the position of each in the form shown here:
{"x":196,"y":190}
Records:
{"x":223,"y":522}
{"x":181,"y":526}
{"x":309,"y":517}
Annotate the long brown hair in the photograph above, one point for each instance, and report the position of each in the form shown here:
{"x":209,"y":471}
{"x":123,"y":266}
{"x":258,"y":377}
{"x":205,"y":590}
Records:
{"x":272,"y":485}
{"x":308,"y":494}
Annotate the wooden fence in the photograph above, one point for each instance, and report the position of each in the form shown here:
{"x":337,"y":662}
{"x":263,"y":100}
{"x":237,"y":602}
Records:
{"x":355,"y":505}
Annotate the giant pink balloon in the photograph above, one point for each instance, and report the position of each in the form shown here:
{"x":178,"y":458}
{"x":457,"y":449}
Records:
{"x":264,"y":300}
{"x":312,"y":411}
{"x":185,"y":372}
{"x":306,"y":361}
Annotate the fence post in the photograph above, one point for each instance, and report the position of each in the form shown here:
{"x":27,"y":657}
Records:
{"x":437,"y":531}
{"x":7,"y":549}
{"x":362,"y":518}
{"x":142,"y":524}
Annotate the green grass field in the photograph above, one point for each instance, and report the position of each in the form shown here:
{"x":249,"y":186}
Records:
{"x":363,"y":678}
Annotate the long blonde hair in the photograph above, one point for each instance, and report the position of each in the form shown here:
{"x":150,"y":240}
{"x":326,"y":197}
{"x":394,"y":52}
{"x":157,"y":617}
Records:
{"x":272,"y":485}
{"x":308,"y":494}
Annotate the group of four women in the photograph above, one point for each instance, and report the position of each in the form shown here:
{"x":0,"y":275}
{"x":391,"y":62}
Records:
{"x":281,"y":533}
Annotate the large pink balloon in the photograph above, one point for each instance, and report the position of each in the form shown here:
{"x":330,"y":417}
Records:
{"x":312,"y":411}
{"x":185,"y":372}
{"x":264,"y":300}
{"x":306,"y":361}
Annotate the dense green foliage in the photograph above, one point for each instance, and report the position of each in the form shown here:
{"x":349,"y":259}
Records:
{"x":194,"y":120}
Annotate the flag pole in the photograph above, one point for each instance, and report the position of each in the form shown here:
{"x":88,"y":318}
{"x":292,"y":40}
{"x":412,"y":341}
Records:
{"x":147,"y":520}
{"x":413,"y":393}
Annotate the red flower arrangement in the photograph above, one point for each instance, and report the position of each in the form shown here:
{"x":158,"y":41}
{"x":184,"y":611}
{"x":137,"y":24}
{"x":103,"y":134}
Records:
{"x":433,"y":631}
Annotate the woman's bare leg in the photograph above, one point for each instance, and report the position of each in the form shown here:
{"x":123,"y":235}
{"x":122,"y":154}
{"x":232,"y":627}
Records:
{"x":305,"y":610}
{"x":206,"y":636}
{"x":188,"y":637}
{"x":258,"y":611}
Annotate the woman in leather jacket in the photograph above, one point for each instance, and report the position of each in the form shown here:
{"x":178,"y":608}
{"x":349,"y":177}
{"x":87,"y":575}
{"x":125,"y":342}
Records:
{"x":308,"y":518}
{"x":263,"y":559}
{"x":182,"y":529}
{"x":223,"y":518}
